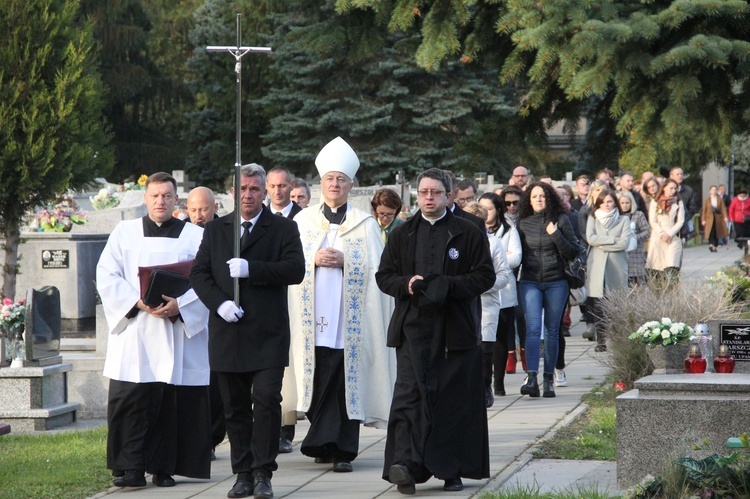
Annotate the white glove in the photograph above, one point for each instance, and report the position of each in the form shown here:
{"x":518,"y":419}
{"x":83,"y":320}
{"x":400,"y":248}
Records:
{"x":238,"y":267}
{"x":230,"y":312}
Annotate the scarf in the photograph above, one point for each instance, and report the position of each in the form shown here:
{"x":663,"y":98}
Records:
{"x":512,"y":218}
{"x":607,"y":218}
{"x":665,"y":204}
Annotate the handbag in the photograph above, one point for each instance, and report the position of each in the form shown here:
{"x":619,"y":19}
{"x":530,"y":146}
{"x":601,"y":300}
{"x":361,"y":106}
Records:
{"x":578,"y":296}
{"x":633,"y":243}
{"x":575,"y":270}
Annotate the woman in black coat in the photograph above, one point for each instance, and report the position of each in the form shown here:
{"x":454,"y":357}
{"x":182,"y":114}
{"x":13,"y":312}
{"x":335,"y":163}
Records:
{"x":547,"y":240}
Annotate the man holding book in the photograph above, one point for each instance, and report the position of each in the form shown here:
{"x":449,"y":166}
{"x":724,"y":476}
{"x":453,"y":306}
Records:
{"x":157,"y":354}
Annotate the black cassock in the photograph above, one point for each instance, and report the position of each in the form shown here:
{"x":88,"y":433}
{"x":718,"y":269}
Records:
{"x":158,"y":427}
{"x":438,"y":419}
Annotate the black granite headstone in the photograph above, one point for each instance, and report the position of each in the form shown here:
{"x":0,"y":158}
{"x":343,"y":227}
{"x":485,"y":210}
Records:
{"x":736,"y":335}
{"x":42,"y":324}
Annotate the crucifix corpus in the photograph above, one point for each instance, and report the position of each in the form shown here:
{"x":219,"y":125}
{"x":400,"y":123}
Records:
{"x":238,"y":51}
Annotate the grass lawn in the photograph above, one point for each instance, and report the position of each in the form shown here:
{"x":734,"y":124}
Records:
{"x":590,"y":436}
{"x":69,"y":465}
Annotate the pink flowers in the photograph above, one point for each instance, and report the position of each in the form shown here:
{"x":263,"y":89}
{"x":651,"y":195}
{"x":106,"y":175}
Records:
{"x":12,"y":314}
{"x":620,"y":386}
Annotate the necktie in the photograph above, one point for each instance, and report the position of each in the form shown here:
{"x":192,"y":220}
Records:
{"x":279,"y":214}
{"x":246,"y":234}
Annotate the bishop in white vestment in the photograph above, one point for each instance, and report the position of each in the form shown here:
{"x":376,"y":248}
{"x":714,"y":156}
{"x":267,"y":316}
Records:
{"x":341,"y":374}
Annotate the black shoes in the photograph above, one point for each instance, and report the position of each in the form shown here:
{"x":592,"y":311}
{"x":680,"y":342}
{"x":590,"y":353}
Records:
{"x":285,"y":446}
{"x":323,"y":460}
{"x":453,"y":485}
{"x":162,"y":480}
{"x":243,"y":487}
{"x":400,"y":475}
{"x":531,"y":388}
{"x":489,"y":399}
{"x":213,"y":454}
{"x":262,"y":487}
{"x":341,"y":465}
{"x":548,"y":385}
{"x":131,"y":478}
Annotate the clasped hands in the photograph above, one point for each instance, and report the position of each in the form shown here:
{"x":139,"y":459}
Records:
{"x":329,"y":257}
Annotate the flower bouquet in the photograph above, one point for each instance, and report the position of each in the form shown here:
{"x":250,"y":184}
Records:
{"x":104,"y":200}
{"x":12,"y":314}
{"x":138,"y":185}
{"x":59,"y":218}
{"x":12,"y":322}
{"x":673,"y":337}
{"x":663,"y":333}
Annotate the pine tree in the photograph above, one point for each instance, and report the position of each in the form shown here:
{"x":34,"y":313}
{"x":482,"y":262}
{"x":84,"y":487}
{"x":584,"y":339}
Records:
{"x":676,"y":70}
{"x":52,"y":133}
{"x":209,"y":135}
{"x":341,"y":75}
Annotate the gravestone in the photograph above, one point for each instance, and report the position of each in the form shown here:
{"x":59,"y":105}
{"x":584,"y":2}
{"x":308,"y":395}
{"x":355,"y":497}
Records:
{"x":43,"y":325}
{"x":736,"y":335}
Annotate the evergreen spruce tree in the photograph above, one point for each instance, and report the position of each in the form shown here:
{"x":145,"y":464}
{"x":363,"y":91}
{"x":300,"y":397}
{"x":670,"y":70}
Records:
{"x":676,"y":70}
{"x":340,"y":75}
{"x":52,"y":133}
{"x":210,"y":131}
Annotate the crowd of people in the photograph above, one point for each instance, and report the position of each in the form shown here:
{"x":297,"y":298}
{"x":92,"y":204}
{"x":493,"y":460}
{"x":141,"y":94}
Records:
{"x":405,"y":322}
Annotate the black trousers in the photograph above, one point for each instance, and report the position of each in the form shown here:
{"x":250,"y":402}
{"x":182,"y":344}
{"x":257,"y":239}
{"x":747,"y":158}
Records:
{"x":252,"y":410}
{"x":502,"y":345}
{"x":218,"y":425}
{"x":158,"y":428}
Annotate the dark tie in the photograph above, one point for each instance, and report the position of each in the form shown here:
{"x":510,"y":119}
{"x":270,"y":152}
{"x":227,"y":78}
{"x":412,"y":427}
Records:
{"x":246,"y":234}
{"x":279,"y":213}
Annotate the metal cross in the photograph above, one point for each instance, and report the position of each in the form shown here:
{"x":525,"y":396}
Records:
{"x":238,"y":51}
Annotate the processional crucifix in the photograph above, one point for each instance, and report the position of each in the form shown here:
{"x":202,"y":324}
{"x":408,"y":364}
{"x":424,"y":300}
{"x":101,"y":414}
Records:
{"x":238,"y":52}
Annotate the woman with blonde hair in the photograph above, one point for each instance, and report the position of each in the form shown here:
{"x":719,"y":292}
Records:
{"x":640,"y":228}
{"x":608,"y":235}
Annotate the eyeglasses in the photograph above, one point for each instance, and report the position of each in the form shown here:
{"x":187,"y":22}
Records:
{"x":430,"y":192}
{"x":466,"y":199}
{"x":520,"y":175}
{"x":385,"y":215}
{"x":511,"y":203}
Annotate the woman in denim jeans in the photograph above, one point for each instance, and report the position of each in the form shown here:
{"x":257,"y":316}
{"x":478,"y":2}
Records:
{"x":547,"y":240}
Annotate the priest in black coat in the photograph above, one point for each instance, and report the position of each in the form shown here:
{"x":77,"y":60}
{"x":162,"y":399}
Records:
{"x":436,"y":265}
{"x":248,"y":345}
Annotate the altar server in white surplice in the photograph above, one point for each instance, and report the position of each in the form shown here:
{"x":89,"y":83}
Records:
{"x":341,"y":374}
{"x":157,"y":357}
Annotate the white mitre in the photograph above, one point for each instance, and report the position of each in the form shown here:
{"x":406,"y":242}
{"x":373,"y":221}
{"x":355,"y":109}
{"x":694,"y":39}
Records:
{"x":337,"y":156}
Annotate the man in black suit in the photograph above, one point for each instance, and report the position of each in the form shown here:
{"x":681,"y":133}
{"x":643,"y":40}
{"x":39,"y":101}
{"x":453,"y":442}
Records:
{"x":279,"y":184}
{"x":248,"y":345}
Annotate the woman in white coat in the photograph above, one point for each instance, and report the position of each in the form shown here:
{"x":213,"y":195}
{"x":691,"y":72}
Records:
{"x":608,"y":235}
{"x":491,"y":301}
{"x":499,"y":228}
{"x":666,"y":216}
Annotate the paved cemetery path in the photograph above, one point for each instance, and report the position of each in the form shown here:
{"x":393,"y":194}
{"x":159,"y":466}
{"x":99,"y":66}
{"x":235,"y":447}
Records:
{"x":516,"y":424}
